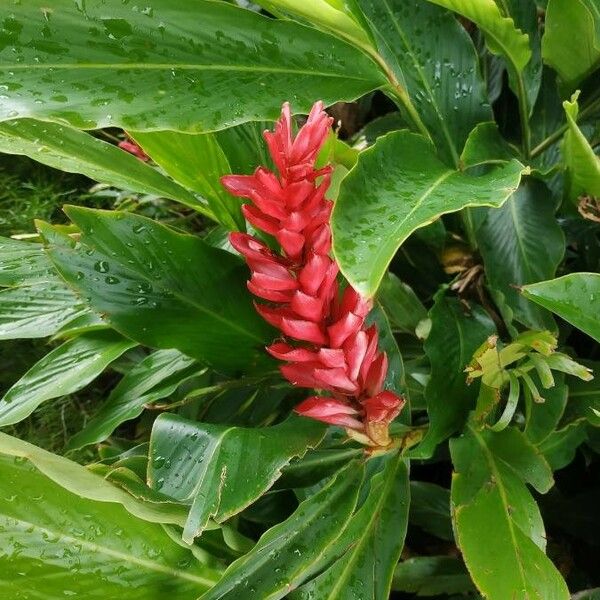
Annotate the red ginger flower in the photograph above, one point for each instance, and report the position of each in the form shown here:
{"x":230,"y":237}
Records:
{"x":130,"y":146}
{"x":325,"y":343}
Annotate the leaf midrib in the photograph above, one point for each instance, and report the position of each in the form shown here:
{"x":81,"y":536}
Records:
{"x":184,"y":66}
{"x":114,"y":554}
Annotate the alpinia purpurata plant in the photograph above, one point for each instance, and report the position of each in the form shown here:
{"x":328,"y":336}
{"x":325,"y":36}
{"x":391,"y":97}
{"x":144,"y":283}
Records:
{"x":364,"y":369}
{"x":339,"y":353}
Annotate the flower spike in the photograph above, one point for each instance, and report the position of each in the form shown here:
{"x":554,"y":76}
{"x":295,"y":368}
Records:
{"x":325,"y":344}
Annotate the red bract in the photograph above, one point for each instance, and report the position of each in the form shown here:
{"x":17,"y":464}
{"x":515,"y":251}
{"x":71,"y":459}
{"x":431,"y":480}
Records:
{"x":326,"y":345}
{"x":131,"y":147}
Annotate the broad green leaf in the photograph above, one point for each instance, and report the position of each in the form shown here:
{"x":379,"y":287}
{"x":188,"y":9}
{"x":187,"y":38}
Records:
{"x":571,"y":42}
{"x":24,"y":263}
{"x":57,"y":544}
{"x":402,"y":306}
{"x":501,"y":34}
{"x":197,"y":162}
{"x":331,"y":16}
{"x":38,"y":310}
{"x":486,"y":146}
{"x":489,"y":494}
{"x":206,"y":465}
{"x":583,"y":166}
{"x":293,"y":551}
{"x":397,"y":187}
{"x":573,"y":297}
{"x":432,"y":576}
{"x":155,"y":377}
{"x":371,"y":544}
{"x":75,"y":151}
{"x":162,"y":288}
{"x":432,"y":58}
{"x":430,"y":509}
{"x":192,"y":67}
{"x":86,"y":484}
{"x":509,"y":242}
{"x":62,"y":371}
{"x":456,"y":333}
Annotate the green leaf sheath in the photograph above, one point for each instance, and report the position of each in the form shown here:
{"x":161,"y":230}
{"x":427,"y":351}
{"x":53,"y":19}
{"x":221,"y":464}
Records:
{"x":397,"y":186}
{"x":162,"y":288}
{"x":574,"y":297}
{"x":62,"y":371}
{"x":182,"y":66}
{"x":57,"y":544}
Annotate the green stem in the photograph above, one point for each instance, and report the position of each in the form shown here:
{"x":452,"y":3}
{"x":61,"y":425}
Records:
{"x":524,"y":117}
{"x":556,"y":135}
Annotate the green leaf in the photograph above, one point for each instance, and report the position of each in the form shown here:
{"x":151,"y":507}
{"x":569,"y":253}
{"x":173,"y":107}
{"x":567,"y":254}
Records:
{"x":570,"y":297}
{"x":432,"y":576}
{"x":509,"y":242}
{"x":489,"y":494}
{"x":397,"y":187}
{"x":86,"y":484}
{"x":584,"y":399}
{"x":206,"y":465}
{"x":162,"y":288}
{"x":583,"y":166}
{"x":560,"y":446}
{"x":39,"y":310}
{"x":190,"y":67}
{"x":401,"y":304}
{"x":63,"y":371}
{"x":500,"y":32}
{"x":485,"y":146}
{"x":155,"y":377}
{"x":24,"y":263}
{"x":75,"y":151}
{"x":441,"y":77}
{"x":542,"y":418}
{"x":371,"y":544}
{"x":181,"y":154}
{"x":293,"y":551}
{"x":46,"y":542}
{"x":454,"y":337}
{"x":430,"y":509}
{"x":568,"y":21}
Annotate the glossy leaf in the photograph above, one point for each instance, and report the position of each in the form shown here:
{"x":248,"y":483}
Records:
{"x":62,"y":371}
{"x":454,"y":337}
{"x":560,"y":446}
{"x":38,"y":310}
{"x":583,"y":166}
{"x":432,"y":576}
{"x":501,"y":34}
{"x":509,"y":242}
{"x":197,"y":162}
{"x":75,"y":151}
{"x":24,"y":263}
{"x":543,"y":418}
{"x":371,"y":544}
{"x":155,"y":377}
{"x":564,"y":19}
{"x":572,"y":297}
{"x":489,"y":493}
{"x":190,"y":67}
{"x":45,"y":543}
{"x":162,"y":288}
{"x":397,"y":187}
{"x":86,"y":484}
{"x":432,"y":57}
{"x":206,"y":465}
{"x":293,"y":551}
{"x":584,"y":399}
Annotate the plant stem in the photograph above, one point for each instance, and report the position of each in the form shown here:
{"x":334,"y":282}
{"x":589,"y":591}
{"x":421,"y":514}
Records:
{"x":556,"y":135}
{"x":524,"y":117}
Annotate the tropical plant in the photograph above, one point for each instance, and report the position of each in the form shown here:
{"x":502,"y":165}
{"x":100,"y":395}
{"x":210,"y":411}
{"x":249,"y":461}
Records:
{"x":429,"y":268}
